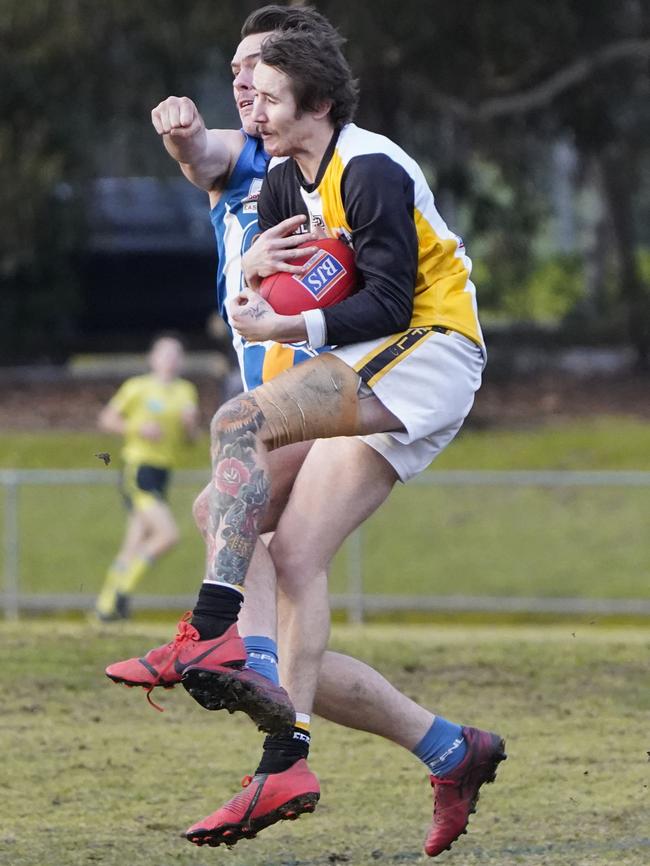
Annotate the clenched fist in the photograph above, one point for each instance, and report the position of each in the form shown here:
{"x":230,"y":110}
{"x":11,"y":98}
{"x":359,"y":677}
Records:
{"x":178,"y":117}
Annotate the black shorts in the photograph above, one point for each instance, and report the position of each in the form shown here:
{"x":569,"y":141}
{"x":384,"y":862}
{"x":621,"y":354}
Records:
{"x":141,"y":484}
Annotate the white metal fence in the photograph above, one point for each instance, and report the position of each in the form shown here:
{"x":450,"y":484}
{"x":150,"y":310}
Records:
{"x":354,"y":600}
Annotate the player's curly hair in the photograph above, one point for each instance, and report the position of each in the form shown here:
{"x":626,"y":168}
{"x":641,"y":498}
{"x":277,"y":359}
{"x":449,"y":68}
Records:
{"x":289,"y":18}
{"x":318,"y":72}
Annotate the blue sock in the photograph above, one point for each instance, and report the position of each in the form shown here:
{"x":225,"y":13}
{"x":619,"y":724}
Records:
{"x":262,"y":656}
{"x":442,"y":748}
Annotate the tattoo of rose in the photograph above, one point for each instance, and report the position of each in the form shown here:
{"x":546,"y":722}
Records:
{"x":229,"y":476}
{"x":241,"y":449}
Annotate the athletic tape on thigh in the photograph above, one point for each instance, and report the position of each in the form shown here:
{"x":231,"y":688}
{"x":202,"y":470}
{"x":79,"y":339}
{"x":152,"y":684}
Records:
{"x":315,"y":400}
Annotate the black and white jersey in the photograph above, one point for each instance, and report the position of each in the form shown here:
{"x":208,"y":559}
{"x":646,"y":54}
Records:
{"x":413,"y":269}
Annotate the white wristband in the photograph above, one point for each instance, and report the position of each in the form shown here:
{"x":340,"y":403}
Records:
{"x":316,"y":328}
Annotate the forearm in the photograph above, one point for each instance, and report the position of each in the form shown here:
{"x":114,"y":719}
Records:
{"x":204,"y":158}
{"x":368,"y":315}
{"x":191,"y":426}
{"x":205,"y":155}
{"x":289,"y":329}
{"x":187,"y":151}
{"x":111,"y":422}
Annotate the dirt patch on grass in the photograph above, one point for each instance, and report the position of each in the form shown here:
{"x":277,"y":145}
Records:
{"x":72,"y":405}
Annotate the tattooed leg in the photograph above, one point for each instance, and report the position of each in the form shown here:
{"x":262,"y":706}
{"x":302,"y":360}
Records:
{"x":318,"y":398}
{"x":240,"y":496}
{"x":241,"y":489}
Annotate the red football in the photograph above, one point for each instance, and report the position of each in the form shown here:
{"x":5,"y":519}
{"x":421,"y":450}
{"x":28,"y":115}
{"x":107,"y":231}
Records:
{"x":329,"y":278}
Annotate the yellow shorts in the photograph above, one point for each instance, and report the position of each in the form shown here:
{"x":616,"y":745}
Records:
{"x":142,"y":485}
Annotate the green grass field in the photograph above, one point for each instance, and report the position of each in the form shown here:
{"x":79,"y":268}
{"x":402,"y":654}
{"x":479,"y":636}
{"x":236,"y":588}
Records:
{"x":426,"y":540}
{"x":483,"y":541}
{"x":91,"y":774}
{"x":601,"y":442}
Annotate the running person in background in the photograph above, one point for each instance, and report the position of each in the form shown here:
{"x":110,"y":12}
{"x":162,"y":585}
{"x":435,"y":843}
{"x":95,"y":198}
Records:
{"x":156,"y":414}
{"x":360,"y":472}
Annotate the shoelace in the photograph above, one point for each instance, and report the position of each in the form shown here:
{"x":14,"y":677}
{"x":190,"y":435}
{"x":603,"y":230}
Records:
{"x":436,"y":780}
{"x":185,"y":632}
{"x":437,"y":810}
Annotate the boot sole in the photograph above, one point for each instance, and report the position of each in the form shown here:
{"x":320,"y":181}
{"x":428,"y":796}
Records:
{"x":132,"y":684}
{"x":223,"y":690}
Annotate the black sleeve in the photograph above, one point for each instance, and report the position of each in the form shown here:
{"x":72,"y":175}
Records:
{"x":279,"y":197}
{"x":267,"y":206}
{"x":378,"y":197}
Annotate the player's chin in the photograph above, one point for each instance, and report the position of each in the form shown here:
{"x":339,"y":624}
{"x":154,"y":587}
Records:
{"x":247,"y":124}
{"x":273,"y":146}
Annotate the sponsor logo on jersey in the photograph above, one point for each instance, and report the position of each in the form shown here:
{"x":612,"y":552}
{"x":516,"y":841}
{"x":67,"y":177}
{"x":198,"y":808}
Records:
{"x":254,"y":190}
{"x":324,"y":272}
{"x":249,"y":202}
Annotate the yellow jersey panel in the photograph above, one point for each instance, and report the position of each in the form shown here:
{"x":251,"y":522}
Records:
{"x":145,"y":399}
{"x":330,"y":192}
{"x":444,"y":293}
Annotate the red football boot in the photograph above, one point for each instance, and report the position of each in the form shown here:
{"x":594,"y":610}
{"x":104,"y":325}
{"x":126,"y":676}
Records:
{"x":165,"y":665}
{"x":267,"y":798}
{"x":268,"y":705}
{"x":456,"y":795}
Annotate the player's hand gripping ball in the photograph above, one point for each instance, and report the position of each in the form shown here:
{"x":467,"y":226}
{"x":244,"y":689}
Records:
{"x":330,"y":276}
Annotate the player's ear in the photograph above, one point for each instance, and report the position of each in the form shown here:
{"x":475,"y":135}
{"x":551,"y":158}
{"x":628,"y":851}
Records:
{"x":322,"y":109}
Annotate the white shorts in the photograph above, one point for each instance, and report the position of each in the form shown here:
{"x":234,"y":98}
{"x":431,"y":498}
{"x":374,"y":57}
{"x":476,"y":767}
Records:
{"x":428,"y":380}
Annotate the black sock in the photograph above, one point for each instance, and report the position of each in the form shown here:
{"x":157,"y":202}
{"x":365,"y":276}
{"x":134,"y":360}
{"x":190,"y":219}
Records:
{"x":282,"y":752}
{"x":217,"y":608}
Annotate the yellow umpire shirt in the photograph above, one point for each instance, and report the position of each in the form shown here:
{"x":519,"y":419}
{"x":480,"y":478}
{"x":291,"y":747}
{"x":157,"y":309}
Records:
{"x":143,"y":399}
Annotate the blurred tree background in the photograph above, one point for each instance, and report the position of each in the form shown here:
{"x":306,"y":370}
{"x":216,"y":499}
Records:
{"x":531,"y":121}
